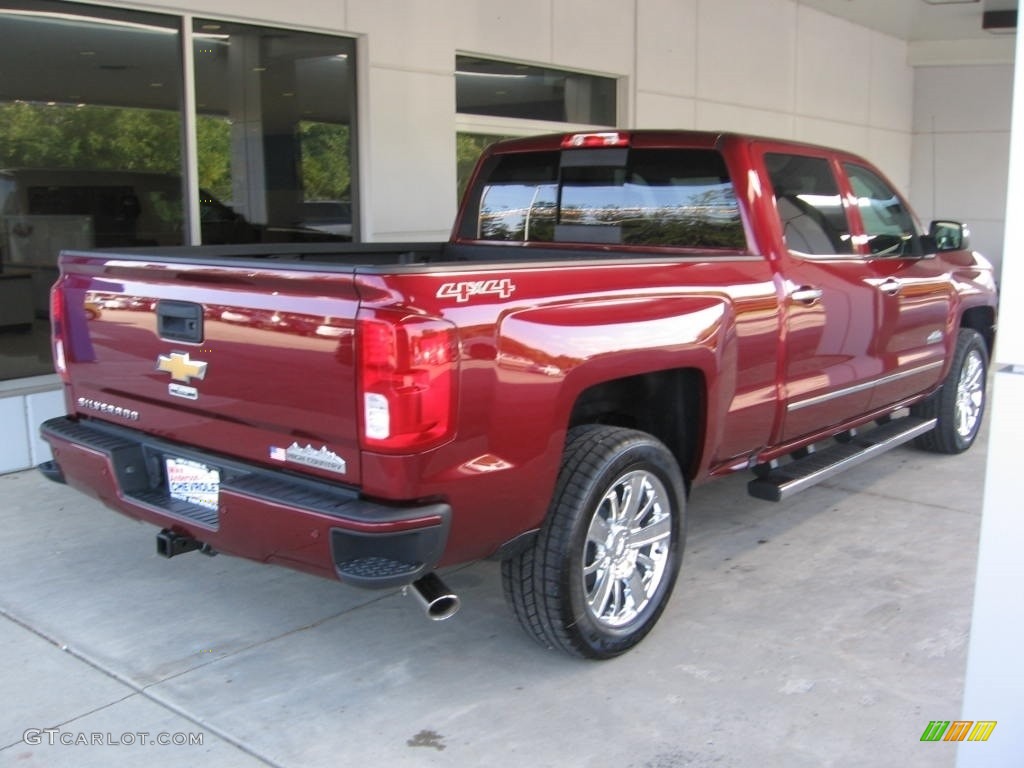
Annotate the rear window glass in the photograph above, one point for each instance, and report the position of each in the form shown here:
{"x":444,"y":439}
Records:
{"x":680,"y":198}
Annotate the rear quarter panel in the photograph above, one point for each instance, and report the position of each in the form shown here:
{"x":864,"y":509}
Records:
{"x":560,"y":328}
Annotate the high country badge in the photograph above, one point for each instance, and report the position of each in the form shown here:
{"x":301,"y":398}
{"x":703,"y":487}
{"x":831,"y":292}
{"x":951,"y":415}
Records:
{"x":321,"y":458}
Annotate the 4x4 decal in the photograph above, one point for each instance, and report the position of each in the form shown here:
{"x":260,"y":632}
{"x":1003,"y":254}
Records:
{"x":463,"y":291}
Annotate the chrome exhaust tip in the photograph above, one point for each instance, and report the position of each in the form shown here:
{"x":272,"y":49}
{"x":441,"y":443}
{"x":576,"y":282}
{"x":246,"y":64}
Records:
{"x":438,"y":601}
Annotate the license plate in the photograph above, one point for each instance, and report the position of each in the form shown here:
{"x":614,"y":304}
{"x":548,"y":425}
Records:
{"x":193,"y":482}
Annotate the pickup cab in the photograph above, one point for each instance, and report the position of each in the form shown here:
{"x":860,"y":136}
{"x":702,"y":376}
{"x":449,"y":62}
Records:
{"x":617,"y":317}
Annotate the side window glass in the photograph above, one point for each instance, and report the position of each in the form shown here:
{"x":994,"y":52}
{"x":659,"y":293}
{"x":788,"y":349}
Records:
{"x":809,"y":204}
{"x":888,"y":225}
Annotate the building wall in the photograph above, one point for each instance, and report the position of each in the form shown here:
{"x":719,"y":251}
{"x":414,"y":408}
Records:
{"x":24,"y":405}
{"x":774,"y":67}
{"x":961,"y":147}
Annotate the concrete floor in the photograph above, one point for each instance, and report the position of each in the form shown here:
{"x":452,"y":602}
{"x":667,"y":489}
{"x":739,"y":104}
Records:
{"x":823,"y":631}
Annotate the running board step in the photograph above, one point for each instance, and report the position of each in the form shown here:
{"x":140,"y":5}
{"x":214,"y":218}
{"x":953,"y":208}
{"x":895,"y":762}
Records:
{"x":785,"y":481}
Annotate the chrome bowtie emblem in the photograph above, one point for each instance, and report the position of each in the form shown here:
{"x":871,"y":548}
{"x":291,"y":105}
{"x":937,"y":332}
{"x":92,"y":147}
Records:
{"x":181,"y":367}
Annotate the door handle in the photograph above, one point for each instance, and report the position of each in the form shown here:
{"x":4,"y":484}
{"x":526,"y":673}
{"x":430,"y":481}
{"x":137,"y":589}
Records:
{"x":805,"y":294}
{"x":890,"y":286}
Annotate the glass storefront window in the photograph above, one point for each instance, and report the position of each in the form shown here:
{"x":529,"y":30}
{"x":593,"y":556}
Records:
{"x":92,"y":135}
{"x":525,"y":92}
{"x":499,"y":99}
{"x":275,"y":110}
{"x":90,"y":151}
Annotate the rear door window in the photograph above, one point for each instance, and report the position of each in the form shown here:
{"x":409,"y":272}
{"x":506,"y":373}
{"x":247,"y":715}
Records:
{"x":809,"y":205}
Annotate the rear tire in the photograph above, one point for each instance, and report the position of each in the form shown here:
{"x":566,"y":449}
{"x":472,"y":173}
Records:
{"x":959,"y":405}
{"x":605,"y":561}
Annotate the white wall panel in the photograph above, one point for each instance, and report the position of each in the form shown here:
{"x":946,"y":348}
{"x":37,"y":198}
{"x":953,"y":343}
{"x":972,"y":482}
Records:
{"x":520,"y":30}
{"x":962,"y":99}
{"x":14,"y":448}
{"x":891,"y":80}
{"x":40,"y":406}
{"x":971,"y":173}
{"x":961,"y":122}
{"x":745,"y":53}
{"x":666,"y":51}
{"x":712,"y":116}
{"x":406,"y":35}
{"x":595,"y":35}
{"x":832,"y":68}
{"x":655,"y":110}
{"x":411,"y":155}
{"x":326,"y":15}
{"x":922,"y":180}
{"x":890,"y":151}
{"x":831,"y":133}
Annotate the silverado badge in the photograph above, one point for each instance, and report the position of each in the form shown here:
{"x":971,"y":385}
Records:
{"x":181,"y":367}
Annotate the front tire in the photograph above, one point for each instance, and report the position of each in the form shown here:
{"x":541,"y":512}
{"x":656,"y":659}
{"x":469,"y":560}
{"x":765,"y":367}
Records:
{"x":959,"y":404}
{"x":605,"y":561}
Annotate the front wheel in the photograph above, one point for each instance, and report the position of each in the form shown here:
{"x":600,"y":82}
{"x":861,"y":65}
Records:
{"x":605,"y":561}
{"x":959,"y":404}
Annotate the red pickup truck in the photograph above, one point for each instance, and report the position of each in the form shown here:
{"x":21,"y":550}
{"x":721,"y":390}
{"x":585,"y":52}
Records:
{"x":617,"y":317}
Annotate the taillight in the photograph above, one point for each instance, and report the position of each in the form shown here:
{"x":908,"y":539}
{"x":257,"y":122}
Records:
{"x":599,"y":139}
{"x":58,"y":332}
{"x":407,"y":380}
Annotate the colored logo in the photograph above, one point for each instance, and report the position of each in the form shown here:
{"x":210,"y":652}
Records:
{"x":321,"y":458}
{"x":181,"y":367}
{"x":958,"y":730}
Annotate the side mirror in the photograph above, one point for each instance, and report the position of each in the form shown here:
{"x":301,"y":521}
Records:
{"x":946,"y":236}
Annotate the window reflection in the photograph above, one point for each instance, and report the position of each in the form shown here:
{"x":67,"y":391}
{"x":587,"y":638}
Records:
{"x":90,"y":129}
{"x":274,"y":129}
{"x":674,"y":198}
{"x":522,"y":91}
{"x":809,"y":205}
{"x":888,"y":225}
{"x":91,"y":143}
{"x":468,"y":148}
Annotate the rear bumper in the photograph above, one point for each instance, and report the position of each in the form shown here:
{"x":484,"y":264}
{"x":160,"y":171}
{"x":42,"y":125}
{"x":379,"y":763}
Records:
{"x":261,"y":514}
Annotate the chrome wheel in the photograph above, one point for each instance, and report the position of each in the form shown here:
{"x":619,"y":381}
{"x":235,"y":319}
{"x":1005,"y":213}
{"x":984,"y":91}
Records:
{"x":970,"y":394}
{"x":626,"y":549}
{"x":958,"y":406}
{"x":601,"y":570}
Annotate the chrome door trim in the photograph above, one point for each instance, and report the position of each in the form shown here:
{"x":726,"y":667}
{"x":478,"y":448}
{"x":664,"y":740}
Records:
{"x":819,"y":399}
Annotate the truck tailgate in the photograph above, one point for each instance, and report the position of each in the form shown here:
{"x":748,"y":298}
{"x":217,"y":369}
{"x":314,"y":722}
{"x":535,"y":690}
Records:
{"x":249,"y":361}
